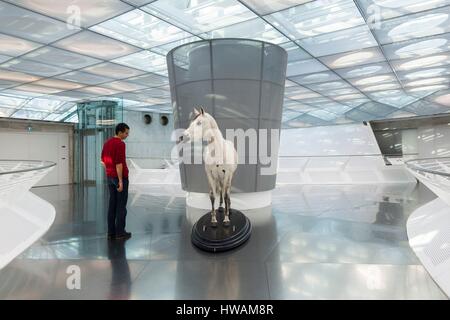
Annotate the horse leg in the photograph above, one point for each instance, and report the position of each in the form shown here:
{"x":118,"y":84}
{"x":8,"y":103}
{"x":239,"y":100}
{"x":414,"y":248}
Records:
{"x":227,"y":187}
{"x":221,"y":198}
{"x":226,"y":219}
{"x":212,"y":197}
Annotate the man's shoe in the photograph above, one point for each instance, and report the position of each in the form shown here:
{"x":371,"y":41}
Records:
{"x":125,"y":236}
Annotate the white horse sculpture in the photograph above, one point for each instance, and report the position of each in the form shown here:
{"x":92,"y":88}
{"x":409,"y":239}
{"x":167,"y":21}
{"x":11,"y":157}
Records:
{"x":220,"y":158}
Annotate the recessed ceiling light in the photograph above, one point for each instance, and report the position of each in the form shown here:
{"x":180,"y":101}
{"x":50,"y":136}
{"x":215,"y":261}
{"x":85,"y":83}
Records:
{"x":425,"y":73}
{"x":418,"y":26}
{"x":422,"y":62}
{"x":373,"y":80}
{"x":426,"y":82}
{"x":444,"y":100}
{"x":352,"y":59}
{"x":423,"y":48}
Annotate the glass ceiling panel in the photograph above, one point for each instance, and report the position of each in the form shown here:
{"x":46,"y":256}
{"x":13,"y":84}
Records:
{"x":377,"y":109}
{"x":288,"y":115}
{"x":25,"y":24}
{"x":33,"y":67}
{"x":325,"y":86}
{"x":164,"y":49}
{"x":294,"y":52}
{"x":91,"y":11}
{"x":46,"y":105}
{"x":144,"y":60}
{"x":343,"y":92}
{"x":336,"y":108}
{"x":123,"y":86}
{"x":98,"y":90}
{"x":10,"y":101}
{"x":6,"y":112}
{"x":323,"y":114}
{"x":365,"y":70}
{"x":263,"y":7}
{"x":5,"y":77}
{"x":21,"y":94}
{"x":38,"y":89}
{"x":425,"y":90}
{"x":150,"y":80}
{"x":316,"y":18}
{"x":201,"y":15}
{"x":380,"y":87}
{"x":414,"y":26}
{"x":436,"y":60}
{"x":59,"y":84}
{"x":427,"y":82}
{"x":315,"y":77}
{"x":256,"y":29}
{"x":425,"y":108}
{"x":83,"y":77}
{"x":307,"y":119}
{"x":13,"y":46}
{"x":76,"y":94}
{"x":304,"y":67}
{"x":112,"y":70}
{"x":442,"y":98}
{"x":350,"y":59}
{"x":96,"y":45}
{"x":4,"y":58}
{"x":358,"y":115}
{"x":425,"y":73}
{"x":401,"y":114}
{"x":29,"y":114}
{"x":139,"y":3}
{"x":418,"y":47}
{"x":388,"y":9}
{"x":141,"y":29}
{"x":61,"y":58}
{"x":372,"y":80}
{"x":340,"y":41}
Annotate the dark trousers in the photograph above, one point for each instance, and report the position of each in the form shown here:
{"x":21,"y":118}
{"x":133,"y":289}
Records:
{"x":117,"y":210}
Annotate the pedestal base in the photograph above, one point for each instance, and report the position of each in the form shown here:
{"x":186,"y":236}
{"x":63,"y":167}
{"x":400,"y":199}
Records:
{"x":221,"y":238}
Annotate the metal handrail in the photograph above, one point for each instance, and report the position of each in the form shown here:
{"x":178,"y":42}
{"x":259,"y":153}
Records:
{"x":415,"y":166}
{"x":45,"y":165}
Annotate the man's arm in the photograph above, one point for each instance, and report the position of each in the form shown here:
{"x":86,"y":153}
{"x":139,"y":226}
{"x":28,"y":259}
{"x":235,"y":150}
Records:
{"x":119,"y":170}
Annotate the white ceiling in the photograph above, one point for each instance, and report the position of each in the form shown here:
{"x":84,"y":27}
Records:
{"x":348,"y":60}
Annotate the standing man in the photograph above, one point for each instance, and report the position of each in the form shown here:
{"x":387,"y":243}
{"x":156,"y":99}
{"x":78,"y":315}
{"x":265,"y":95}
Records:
{"x":114,"y":161}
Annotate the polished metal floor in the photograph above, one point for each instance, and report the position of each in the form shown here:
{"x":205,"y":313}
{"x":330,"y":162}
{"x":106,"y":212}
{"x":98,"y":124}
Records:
{"x":315,"y":242}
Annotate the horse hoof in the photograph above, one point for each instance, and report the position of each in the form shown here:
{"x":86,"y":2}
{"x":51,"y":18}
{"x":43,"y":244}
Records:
{"x":226,"y":223}
{"x":214,"y":224}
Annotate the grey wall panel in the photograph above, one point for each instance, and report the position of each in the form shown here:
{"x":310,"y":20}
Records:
{"x":271,"y":96}
{"x":192,"y":62}
{"x":236,"y":98}
{"x":237,"y":59}
{"x":225,"y":76}
{"x":274,"y":62}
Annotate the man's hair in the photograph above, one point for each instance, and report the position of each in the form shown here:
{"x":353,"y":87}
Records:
{"x":121,"y":127}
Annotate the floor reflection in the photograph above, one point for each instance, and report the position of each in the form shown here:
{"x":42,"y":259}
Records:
{"x":329,"y":242}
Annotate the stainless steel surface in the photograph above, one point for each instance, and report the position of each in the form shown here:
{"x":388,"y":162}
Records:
{"x":315,"y":242}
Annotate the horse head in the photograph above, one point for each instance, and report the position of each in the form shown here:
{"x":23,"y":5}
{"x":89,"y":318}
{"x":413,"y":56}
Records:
{"x":200,"y":128}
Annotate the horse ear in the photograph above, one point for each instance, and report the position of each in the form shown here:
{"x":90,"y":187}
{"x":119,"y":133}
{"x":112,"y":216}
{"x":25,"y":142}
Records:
{"x":196,"y":112}
{"x":201,"y":110}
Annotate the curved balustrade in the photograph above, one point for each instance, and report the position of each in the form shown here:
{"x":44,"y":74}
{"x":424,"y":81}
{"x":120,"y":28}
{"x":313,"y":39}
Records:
{"x":428,"y":227}
{"x":340,"y":169}
{"x":434,"y":173}
{"x":24,"y":217}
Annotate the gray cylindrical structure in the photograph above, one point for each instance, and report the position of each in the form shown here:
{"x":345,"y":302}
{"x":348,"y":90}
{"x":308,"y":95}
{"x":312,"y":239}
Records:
{"x":240,"y":83}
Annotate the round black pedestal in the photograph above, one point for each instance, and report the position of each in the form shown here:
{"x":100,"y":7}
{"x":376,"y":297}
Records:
{"x":221,"y":238}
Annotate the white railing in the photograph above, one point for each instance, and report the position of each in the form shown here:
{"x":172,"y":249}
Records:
{"x":434,"y":173}
{"x":24,"y":217}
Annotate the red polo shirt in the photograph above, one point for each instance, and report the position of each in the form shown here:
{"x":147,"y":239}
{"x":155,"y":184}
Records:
{"x":113,"y":153}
